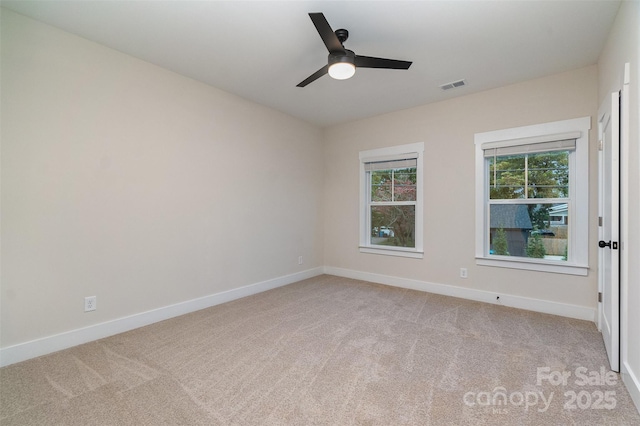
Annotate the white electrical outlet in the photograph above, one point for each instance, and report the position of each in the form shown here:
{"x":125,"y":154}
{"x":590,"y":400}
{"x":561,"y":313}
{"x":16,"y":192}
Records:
{"x":299,"y":260}
{"x":463,"y":273}
{"x":90,"y":303}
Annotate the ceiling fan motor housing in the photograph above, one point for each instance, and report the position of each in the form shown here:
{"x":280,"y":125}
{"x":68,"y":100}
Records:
{"x":345,"y":56}
{"x":342,"y":34}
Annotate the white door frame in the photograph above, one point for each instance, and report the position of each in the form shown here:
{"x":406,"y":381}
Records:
{"x":609,"y":227}
{"x":624,"y":210}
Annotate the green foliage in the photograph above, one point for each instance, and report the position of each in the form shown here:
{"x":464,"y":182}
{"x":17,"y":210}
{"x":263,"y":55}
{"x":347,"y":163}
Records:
{"x":506,"y":177}
{"x":546,"y":175}
{"x":500,"y":245}
{"x":539,"y":214}
{"x":535,"y":247}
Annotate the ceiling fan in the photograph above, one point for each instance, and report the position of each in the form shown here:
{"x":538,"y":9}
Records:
{"x":343,"y":62}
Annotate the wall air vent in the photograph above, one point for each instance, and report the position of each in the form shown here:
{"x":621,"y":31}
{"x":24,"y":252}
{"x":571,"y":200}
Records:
{"x":453,"y":85}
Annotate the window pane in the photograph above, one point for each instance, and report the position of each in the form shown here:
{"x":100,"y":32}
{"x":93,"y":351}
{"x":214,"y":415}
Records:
{"x":404,"y":181}
{"x":506,"y":177}
{"x":393,"y":226}
{"x":529,"y":230}
{"x":393,"y":185}
{"x":381,"y":185}
{"x":548,"y":175}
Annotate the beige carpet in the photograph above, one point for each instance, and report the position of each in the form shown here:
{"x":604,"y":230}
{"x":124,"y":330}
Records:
{"x":328,"y":351}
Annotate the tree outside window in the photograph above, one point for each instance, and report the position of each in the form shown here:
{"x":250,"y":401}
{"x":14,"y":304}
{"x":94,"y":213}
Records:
{"x":393,"y":196}
{"x":391,"y":201}
{"x":524,"y":190}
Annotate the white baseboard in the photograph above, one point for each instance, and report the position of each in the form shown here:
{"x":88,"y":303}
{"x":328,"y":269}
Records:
{"x":54,"y":343}
{"x":630,"y":379}
{"x":537,"y":305}
{"x":57,"y":342}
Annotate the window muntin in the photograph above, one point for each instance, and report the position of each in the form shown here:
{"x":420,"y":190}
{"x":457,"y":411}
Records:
{"x":391,"y":200}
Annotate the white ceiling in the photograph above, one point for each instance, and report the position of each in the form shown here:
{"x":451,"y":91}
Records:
{"x":260,"y":50}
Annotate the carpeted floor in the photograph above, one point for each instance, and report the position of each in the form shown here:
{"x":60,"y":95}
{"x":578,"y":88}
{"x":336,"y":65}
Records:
{"x":329,"y":351}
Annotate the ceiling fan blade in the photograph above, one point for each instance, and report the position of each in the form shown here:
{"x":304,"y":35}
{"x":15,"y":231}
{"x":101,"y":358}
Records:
{"x":370,"y":62}
{"x":326,"y":33}
{"x":313,"y":77}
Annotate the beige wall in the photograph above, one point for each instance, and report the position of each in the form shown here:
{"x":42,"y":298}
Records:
{"x":623,"y":46}
{"x":448,"y":128}
{"x":140,"y":186}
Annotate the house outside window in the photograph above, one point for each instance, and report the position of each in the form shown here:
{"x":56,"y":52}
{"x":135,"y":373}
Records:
{"x":391,"y":201}
{"x":532,"y":197}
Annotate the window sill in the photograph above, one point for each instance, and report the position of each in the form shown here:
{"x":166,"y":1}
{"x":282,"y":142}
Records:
{"x":399,"y":252}
{"x":532,"y":265}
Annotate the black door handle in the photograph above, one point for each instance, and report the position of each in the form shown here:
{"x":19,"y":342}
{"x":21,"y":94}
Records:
{"x":602,"y":244}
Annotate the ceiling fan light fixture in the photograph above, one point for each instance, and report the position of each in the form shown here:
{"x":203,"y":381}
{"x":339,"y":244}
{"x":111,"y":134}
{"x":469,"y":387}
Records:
{"x":342,"y":64}
{"x":342,"y":70}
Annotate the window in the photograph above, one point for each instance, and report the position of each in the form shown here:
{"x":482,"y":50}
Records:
{"x":532,"y":197}
{"x":391,"y":201}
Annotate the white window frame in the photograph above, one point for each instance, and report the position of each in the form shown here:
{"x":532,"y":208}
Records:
{"x":387,"y":154}
{"x":577,"y":262}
